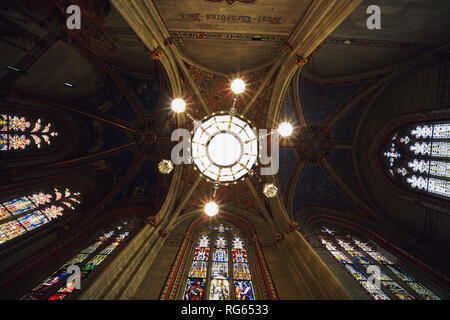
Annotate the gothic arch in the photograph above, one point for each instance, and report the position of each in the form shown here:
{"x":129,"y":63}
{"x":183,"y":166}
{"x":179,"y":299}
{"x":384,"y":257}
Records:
{"x":426,"y":273}
{"x":100,"y":245}
{"x":175,"y":284}
{"x":376,"y":150}
{"x":68,"y":133}
{"x":57,"y":200}
{"x":30,"y":272}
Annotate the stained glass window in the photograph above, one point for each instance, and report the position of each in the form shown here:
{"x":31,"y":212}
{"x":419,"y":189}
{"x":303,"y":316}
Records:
{"x":418,"y":157}
{"x":195,"y":288}
{"x":27,"y":213}
{"x":242,"y":278}
{"x":87,"y":260}
{"x":17,"y":133}
{"x":229,"y":276}
{"x":392,"y":279}
{"x":425,"y":293}
{"x":221,"y":228}
{"x":385,"y":280}
{"x":97,"y":252}
{"x":356,"y":273}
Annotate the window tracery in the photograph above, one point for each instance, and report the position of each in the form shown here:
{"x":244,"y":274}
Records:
{"x":17,"y":133}
{"x":215,"y":274}
{"x":24,"y":214}
{"x":418,"y":157}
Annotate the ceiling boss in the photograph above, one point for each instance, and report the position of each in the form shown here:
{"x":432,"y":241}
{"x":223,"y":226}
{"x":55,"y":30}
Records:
{"x":225,"y":148}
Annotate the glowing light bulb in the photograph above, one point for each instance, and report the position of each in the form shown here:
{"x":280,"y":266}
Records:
{"x":211,"y":209}
{"x":270,"y":190}
{"x":165,"y":166}
{"x":178,"y":105}
{"x":238,"y":86}
{"x":285,"y":129}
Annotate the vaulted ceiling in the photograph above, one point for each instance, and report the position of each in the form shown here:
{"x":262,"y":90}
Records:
{"x":352,"y":84}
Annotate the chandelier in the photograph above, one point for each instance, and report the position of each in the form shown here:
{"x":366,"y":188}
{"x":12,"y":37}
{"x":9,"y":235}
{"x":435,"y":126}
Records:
{"x":225,"y":147}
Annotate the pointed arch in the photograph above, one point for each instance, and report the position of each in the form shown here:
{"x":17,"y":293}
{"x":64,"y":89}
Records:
{"x":34,"y":132}
{"x":243,"y":277}
{"x":410,"y":157}
{"x":220,"y":267}
{"x":31,"y":211}
{"x":18,"y":132}
{"x":401,"y":275}
{"x":32,"y":208}
{"x":417,"y":156}
{"x":56,"y":286}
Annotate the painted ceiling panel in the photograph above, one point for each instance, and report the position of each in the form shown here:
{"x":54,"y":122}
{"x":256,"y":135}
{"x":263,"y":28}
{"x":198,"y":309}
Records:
{"x":143,"y":183}
{"x":146,"y":90}
{"x":402,"y":20}
{"x":315,"y":187}
{"x":348,"y":58}
{"x":408,"y":29}
{"x":341,"y":161}
{"x":113,"y":104}
{"x":48,"y":77}
{"x":319,"y":102}
{"x":121,"y":161}
{"x":104,"y":137}
{"x":263,"y":16}
{"x":343,"y":130}
{"x":241,"y":55}
{"x":112,"y":167}
{"x":231,"y":36}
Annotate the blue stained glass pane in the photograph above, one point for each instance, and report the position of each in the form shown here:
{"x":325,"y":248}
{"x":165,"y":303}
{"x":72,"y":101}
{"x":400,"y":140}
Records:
{"x":3,"y":122}
{"x":198,"y":269}
{"x":4,"y":138}
{"x":195,"y":289}
{"x":244,"y":290}
{"x":220,"y":255}
{"x":33,"y":220}
{"x":241,"y":271}
{"x":49,"y":283}
{"x":18,"y":206}
{"x":92,"y":247}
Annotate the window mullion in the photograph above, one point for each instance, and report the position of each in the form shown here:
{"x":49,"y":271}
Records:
{"x":38,"y":208}
{"x":13,"y":217}
{"x":232,"y":294}
{"x":208,"y":271}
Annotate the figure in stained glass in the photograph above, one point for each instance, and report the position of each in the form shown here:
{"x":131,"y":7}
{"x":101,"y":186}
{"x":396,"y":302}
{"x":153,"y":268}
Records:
{"x":372,"y":257}
{"x":195,"y":289}
{"x":219,"y":290}
{"x":214,"y":271}
{"x":243,"y":290}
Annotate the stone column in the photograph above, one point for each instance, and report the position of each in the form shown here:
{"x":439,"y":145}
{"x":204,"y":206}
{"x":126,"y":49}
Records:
{"x":122,"y":277}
